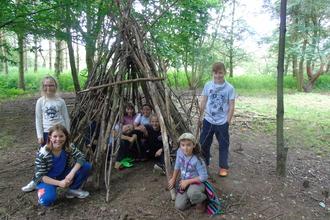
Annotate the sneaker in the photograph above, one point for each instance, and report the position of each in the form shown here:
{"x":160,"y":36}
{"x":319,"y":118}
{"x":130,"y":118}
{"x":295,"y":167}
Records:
{"x":160,"y":168}
{"x":71,"y":193}
{"x":30,"y":187}
{"x":223,"y":172}
{"x":201,"y":207}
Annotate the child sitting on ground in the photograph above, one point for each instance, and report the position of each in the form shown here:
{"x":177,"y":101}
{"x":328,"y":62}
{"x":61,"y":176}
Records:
{"x":144,"y":117}
{"x":153,"y":146}
{"x":189,"y":161}
{"x":125,"y":142}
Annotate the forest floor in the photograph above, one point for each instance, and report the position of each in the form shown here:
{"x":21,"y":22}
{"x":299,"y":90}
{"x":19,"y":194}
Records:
{"x":252,"y":190}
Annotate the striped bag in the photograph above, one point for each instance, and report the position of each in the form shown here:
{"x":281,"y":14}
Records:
{"x":213,"y":203}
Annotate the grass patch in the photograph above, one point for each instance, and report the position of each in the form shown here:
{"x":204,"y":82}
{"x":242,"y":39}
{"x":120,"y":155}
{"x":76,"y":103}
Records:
{"x":306,"y":123}
{"x":9,"y":82}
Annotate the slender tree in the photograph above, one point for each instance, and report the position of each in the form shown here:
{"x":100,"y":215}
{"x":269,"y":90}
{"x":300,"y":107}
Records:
{"x":281,"y":150}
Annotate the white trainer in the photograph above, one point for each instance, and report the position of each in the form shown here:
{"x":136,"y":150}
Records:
{"x":71,"y":193}
{"x":29,"y":187}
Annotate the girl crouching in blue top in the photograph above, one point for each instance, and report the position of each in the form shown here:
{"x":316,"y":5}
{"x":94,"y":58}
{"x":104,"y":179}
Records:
{"x":53,"y":167}
{"x":190,"y":189}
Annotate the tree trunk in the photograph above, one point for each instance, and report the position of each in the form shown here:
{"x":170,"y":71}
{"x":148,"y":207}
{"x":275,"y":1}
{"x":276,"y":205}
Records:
{"x":296,"y":72}
{"x":21,"y":84}
{"x":281,"y":150}
{"x":25,"y":56}
{"x":71,"y":51}
{"x":72,"y":61}
{"x":77,"y":58}
{"x":35,"y":54}
{"x":50,"y":52}
{"x":231,"y":47}
{"x":4,"y":66}
{"x":58,"y":56}
{"x":312,"y":78}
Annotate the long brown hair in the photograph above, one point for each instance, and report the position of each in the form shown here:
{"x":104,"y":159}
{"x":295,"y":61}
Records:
{"x":129,"y":105}
{"x":59,"y":127}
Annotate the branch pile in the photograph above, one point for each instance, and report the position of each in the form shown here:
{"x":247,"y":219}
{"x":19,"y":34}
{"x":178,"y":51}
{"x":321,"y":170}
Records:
{"x":126,"y":71}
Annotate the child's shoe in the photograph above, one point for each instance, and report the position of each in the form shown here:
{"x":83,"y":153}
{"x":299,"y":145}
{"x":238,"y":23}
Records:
{"x":201,"y":207}
{"x":71,"y":193}
{"x":160,"y":168}
{"x":223,"y":173}
{"x":29,"y":187}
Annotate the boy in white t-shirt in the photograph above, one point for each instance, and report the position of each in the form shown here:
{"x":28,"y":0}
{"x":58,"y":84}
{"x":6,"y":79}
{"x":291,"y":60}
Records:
{"x":218,"y":98}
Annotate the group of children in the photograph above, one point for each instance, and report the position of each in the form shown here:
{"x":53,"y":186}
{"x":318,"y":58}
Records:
{"x":192,"y":159}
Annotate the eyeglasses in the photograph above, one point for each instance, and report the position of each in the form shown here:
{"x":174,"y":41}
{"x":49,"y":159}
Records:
{"x":48,"y":86}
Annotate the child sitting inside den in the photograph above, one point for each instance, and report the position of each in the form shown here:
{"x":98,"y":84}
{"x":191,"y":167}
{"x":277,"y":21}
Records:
{"x":126,"y":140}
{"x":153,"y":146}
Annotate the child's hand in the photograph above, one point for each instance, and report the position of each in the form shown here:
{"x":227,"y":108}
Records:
{"x":142,"y":128}
{"x":183,"y":184}
{"x":158,"y":153}
{"x":133,"y":139}
{"x":171,"y":183}
{"x":69,"y":178}
{"x":64,"y":183}
{"x":200,"y":122}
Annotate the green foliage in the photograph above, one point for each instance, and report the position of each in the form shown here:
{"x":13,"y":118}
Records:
{"x":322,"y":83}
{"x":250,"y":84}
{"x":8,"y":82}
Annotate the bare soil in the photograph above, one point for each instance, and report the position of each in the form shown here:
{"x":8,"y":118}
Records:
{"x":252,"y":190}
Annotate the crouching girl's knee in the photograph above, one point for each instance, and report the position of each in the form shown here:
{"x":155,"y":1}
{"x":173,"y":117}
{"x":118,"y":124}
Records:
{"x":87,"y":167}
{"x":198,"y":197}
{"x":46,"y":202}
{"x":180,"y":206}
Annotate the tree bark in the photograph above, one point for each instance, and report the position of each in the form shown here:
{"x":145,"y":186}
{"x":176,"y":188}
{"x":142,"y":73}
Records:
{"x":57,"y":64}
{"x":72,"y":62}
{"x":50,"y":52}
{"x":281,"y":150}
{"x":35,"y":69}
{"x":3,"y":52}
{"x":21,"y":84}
{"x":25,"y":56}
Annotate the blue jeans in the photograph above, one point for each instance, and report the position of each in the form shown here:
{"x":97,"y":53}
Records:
{"x":222,"y":134}
{"x":123,"y":150}
{"x":47,"y":192}
{"x":45,"y":139}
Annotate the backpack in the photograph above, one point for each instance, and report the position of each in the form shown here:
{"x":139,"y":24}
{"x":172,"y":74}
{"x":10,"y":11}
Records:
{"x":213,"y":203}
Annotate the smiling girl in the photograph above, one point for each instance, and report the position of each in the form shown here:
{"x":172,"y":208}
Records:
{"x":53,"y":167}
{"x":50,"y":110}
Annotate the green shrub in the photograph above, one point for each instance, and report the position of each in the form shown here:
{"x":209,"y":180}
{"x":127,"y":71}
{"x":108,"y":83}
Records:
{"x":9,"y":82}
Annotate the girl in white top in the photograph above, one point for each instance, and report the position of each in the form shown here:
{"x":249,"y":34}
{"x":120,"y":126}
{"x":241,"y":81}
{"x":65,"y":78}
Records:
{"x":143,"y":118}
{"x":50,"y":109}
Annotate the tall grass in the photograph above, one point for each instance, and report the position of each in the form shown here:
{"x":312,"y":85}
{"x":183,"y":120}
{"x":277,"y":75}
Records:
{"x":252,"y":84}
{"x":9,"y":82}
{"x":246,"y":84}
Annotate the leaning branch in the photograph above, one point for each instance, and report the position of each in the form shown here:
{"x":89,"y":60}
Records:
{"x":122,"y":82}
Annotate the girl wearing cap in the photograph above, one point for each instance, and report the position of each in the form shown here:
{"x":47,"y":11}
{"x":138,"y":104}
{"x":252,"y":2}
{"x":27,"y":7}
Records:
{"x":191,"y":165}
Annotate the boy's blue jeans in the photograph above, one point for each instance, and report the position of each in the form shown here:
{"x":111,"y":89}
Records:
{"x":47,"y":192}
{"x":222,"y":134}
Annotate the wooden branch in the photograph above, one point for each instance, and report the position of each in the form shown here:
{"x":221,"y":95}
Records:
{"x":122,"y":82}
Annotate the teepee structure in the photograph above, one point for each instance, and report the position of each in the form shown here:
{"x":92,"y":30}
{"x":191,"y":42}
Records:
{"x":127,"y":71}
